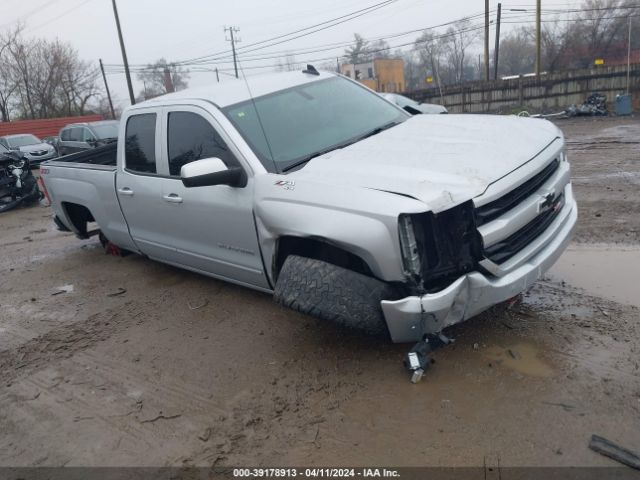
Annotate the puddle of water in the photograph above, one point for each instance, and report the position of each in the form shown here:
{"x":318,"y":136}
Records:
{"x":606,"y":271}
{"x":521,"y":357}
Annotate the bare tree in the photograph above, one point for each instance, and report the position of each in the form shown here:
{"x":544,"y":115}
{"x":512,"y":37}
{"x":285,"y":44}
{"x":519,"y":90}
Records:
{"x":430,"y":52}
{"x":359,"y":51}
{"x":517,"y":53}
{"x":379,"y":49}
{"x":456,"y":43}
{"x":154,"y":78}
{"x":8,"y":82}
{"x":44,"y":79}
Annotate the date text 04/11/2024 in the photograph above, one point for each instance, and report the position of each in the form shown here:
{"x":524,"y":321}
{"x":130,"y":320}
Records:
{"x":315,"y":473}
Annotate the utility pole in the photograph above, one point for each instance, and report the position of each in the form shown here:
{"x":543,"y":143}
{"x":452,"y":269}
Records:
{"x":168,"y":81}
{"x":233,"y":41}
{"x":124,"y":55}
{"x":538,"y":35}
{"x":628,"y":55}
{"x":217,"y":75}
{"x":106,"y":87}
{"x":496,"y":51}
{"x":486,"y":40}
{"x":337,"y":65}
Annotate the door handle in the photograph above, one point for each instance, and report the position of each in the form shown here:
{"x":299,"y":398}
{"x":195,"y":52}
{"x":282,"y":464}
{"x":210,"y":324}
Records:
{"x":126,"y":191}
{"x":173,"y":198}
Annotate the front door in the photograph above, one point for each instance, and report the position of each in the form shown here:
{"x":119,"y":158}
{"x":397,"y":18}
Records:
{"x":212,"y":227}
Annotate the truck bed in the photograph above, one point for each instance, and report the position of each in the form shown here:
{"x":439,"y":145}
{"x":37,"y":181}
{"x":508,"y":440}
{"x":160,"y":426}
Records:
{"x":104,"y":156}
{"x":82,"y":189}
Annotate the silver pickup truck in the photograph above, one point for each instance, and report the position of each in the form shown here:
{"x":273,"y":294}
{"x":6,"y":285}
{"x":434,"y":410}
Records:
{"x":309,"y":186}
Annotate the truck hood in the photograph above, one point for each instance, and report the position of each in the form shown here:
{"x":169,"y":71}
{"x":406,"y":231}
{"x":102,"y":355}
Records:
{"x":441,"y":160}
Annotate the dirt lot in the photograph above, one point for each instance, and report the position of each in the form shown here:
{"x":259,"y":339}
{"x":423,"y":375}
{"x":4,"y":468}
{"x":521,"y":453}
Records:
{"x":184,"y":370}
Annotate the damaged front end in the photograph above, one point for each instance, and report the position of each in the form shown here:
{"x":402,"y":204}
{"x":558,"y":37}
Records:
{"x":447,"y":264}
{"x":439,"y":248}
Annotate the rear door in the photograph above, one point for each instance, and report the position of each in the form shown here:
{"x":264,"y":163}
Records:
{"x":212,"y":227}
{"x":139,"y":184}
{"x":74,"y":140}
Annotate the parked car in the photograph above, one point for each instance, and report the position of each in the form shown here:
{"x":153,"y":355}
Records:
{"x":78,"y":137}
{"x":34,"y":149}
{"x":338,"y":202}
{"x":52,"y":140}
{"x":412,"y":106}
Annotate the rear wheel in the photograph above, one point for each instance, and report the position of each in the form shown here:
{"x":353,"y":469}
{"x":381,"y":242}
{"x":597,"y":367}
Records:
{"x":333,"y":293}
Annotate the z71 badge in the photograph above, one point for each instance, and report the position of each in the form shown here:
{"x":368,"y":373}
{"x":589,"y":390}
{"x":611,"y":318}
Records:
{"x":286,"y":184}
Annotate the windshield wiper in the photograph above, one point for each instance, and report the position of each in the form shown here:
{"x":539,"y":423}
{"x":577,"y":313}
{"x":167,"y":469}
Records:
{"x":309,"y":157}
{"x":371,"y":133}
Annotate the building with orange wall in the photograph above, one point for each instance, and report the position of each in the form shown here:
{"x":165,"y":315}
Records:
{"x":381,"y":74}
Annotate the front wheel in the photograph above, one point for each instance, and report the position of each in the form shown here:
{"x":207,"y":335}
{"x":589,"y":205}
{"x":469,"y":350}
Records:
{"x":333,"y":293}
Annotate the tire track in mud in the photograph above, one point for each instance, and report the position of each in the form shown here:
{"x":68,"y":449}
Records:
{"x":65,"y":341}
{"x":263,"y":422}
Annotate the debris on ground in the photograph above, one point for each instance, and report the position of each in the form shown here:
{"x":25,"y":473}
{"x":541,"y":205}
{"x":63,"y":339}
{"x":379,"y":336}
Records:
{"x":120,"y":291}
{"x":594,"y":105}
{"x":196,"y":307}
{"x":565,"y":406}
{"x":206,"y":435}
{"x":161,"y":417}
{"x":63,"y":289}
{"x":609,"y":449}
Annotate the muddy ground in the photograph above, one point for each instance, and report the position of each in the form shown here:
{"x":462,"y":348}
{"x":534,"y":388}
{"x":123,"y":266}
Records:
{"x":145,"y":364}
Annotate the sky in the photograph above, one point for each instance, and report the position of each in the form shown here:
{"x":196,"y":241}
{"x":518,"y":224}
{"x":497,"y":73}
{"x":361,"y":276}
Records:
{"x":185,"y":29}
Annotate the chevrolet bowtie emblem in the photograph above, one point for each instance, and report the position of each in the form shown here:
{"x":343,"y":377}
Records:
{"x":547,"y":202}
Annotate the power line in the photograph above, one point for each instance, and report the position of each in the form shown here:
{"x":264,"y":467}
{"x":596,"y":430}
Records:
{"x":30,"y":13}
{"x":333,"y":22}
{"x":508,"y":18}
{"x":316,"y":49}
{"x":199,"y":67}
{"x":413,"y":43}
{"x":63,"y":14}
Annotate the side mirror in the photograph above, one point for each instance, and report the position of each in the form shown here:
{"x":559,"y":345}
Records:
{"x":411,"y":110}
{"x":211,"y":171}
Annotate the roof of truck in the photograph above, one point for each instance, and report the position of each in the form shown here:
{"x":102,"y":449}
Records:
{"x":235,"y":91}
{"x":91,"y":124}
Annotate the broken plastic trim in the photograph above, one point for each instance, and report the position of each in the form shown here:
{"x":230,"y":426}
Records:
{"x":449,"y":245}
{"x":408,"y":246}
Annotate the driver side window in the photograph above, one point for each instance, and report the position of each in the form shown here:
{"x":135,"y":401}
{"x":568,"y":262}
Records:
{"x":191,"y":137}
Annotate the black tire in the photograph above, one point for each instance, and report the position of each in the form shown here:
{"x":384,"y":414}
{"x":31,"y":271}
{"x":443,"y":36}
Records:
{"x":333,"y":293}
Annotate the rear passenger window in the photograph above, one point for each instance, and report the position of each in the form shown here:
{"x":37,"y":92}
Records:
{"x":191,"y":138}
{"x":140,"y":143}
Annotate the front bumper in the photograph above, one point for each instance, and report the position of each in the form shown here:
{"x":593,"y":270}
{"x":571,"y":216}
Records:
{"x":411,"y":318}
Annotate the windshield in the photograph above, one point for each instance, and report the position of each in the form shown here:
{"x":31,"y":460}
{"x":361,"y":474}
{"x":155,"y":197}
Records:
{"x":3,"y":148}
{"x":23,"y":141}
{"x":105,"y":131}
{"x":305,"y":120}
